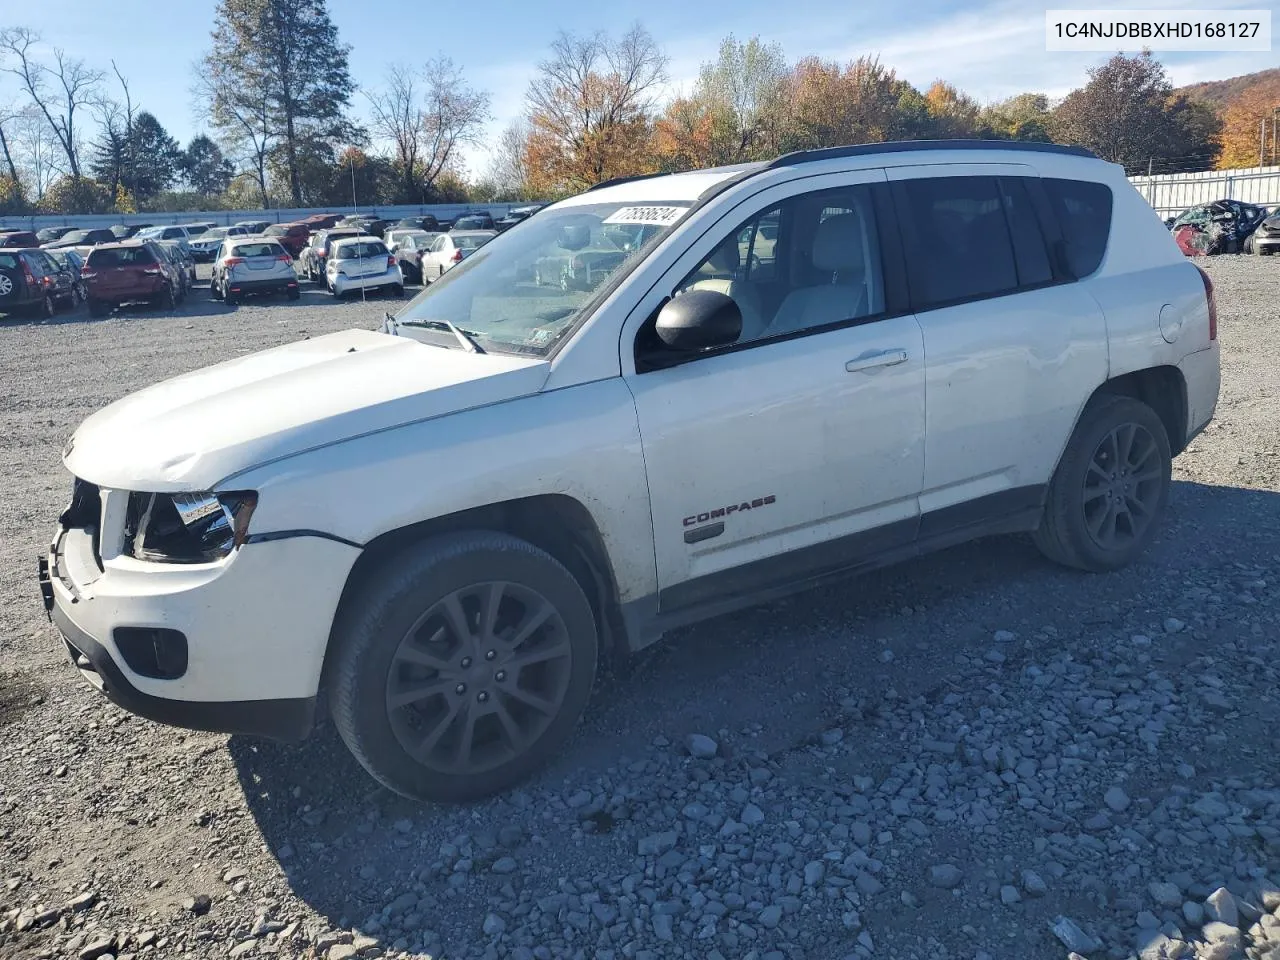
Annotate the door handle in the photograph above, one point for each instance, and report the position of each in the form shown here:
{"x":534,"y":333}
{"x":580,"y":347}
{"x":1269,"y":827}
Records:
{"x":885,"y":358}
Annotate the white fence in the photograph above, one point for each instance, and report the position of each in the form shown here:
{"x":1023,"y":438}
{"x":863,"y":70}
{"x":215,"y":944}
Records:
{"x":1171,"y":193}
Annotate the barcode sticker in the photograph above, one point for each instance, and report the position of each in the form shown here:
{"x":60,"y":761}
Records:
{"x":659,"y":216}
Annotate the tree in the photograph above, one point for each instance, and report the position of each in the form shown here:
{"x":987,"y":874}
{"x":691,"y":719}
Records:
{"x":426,"y":121}
{"x":204,"y":167}
{"x":243,"y":120}
{"x":58,"y":91}
{"x":507,"y":171}
{"x":37,"y":150}
{"x":1241,"y":133}
{"x":157,"y":158}
{"x":590,"y":108}
{"x":1127,"y":114}
{"x":859,"y":103}
{"x":742,"y":95}
{"x":13,"y":200}
{"x":1024,"y":117}
{"x":692,"y":133}
{"x":954,"y":115}
{"x":72,"y":194}
{"x":279,"y":62}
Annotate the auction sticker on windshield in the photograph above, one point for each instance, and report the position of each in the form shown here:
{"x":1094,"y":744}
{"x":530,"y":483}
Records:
{"x":660,"y":216}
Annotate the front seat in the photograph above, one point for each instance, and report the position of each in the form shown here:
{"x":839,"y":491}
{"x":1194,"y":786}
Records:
{"x":837,"y":249}
{"x":721,"y":271}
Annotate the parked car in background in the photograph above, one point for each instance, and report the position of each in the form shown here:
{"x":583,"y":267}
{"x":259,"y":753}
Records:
{"x":450,"y":249}
{"x":292,"y":236}
{"x":173,"y":232}
{"x":473,"y":221}
{"x":19,"y":238}
{"x":254,"y":226}
{"x":425,"y":222}
{"x":50,"y":234}
{"x":362,"y":262}
{"x":128,"y":271}
{"x":182,"y":262}
{"x":1219,"y":227}
{"x":407,"y":247}
{"x":205,"y":247}
{"x":70,"y":263}
{"x":123,"y":231}
{"x":321,"y":221}
{"x":199,"y":228}
{"x":516,"y":215}
{"x":30,"y":282}
{"x":1265,"y":239}
{"x":314,"y":253}
{"x":252,"y":265}
{"x":83,"y":238}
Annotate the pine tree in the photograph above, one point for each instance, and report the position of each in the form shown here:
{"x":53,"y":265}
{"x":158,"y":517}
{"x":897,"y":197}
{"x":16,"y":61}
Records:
{"x":205,"y":168}
{"x":284,"y":54}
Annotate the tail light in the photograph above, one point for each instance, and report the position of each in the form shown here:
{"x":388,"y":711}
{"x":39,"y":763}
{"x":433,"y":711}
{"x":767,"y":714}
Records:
{"x":1212,"y":302}
{"x":391,"y":261}
{"x":322,"y":252}
{"x":457,"y":256}
{"x":233,"y":261}
{"x":285,"y":258}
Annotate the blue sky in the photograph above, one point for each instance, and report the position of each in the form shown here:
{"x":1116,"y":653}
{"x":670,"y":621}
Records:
{"x":989,"y":49}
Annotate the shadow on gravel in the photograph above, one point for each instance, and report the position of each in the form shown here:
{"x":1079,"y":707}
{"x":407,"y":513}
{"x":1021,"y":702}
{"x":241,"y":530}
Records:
{"x":779,"y":670}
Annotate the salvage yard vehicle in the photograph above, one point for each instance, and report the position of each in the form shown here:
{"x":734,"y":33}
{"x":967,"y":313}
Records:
{"x":205,"y":247}
{"x":129,"y":271}
{"x":1265,"y":240}
{"x":445,"y":526}
{"x":82,"y":238}
{"x":362,"y":263}
{"x":1223,"y":226}
{"x":313,"y":256}
{"x":252,"y":265}
{"x":31,"y":282}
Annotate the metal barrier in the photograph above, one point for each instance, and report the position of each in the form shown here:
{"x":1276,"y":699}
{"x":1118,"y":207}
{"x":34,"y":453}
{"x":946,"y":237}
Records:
{"x":1171,"y":193}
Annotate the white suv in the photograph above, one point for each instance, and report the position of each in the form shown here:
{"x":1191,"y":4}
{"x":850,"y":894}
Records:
{"x":794,"y":370}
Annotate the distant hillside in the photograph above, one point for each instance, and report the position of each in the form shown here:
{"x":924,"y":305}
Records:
{"x":1222,"y":92}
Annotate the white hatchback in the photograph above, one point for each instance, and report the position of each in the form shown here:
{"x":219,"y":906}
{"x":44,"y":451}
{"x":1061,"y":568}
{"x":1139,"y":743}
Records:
{"x":362,"y":263}
{"x":764,"y":377}
{"x":252,"y":265}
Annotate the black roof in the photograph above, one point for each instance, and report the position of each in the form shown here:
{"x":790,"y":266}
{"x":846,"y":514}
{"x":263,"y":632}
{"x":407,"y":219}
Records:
{"x":906,"y":146}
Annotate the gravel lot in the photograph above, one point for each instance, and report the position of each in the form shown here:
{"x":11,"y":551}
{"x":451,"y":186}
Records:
{"x":975,"y":755}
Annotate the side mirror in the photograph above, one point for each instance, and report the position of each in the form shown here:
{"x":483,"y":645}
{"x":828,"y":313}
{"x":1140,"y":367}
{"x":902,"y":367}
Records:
{"x":698,"y":320}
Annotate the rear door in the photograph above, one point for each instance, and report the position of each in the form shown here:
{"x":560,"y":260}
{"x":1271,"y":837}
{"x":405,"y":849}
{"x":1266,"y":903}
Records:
{"x":1013,"y":346}
{"x":260,"y":260}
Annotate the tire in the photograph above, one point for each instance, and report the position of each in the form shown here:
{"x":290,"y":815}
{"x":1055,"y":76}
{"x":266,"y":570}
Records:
{"x":215,"y":291}
{"x":1248,"y":245}
{"x":46,"y":308}
{"x":397,"y":289}
{"x":399,"y":600}
{"x":98,"y":308}
{"x":166,"y":300}
{"x":1081,"y":490}
{"x":293,"y":293}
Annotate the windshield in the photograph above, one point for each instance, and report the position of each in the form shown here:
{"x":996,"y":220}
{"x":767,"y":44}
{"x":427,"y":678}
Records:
{"x":523,"y":290}
{"x":76,"y":235}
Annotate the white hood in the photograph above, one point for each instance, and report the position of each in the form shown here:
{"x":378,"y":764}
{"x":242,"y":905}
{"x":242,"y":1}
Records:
{"x":195,"y":430}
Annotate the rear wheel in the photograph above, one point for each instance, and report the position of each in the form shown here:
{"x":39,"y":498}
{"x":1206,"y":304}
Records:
{"x":1109,"y":491}
{"x":166,"y":299}
{"x":293,"y":293}
{"x":397,"y":289}
{"x":461,"y":665}
{"x":215,"y":290}
{"x":46,"y":308}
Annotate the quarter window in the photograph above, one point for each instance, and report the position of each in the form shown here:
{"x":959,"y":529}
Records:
{"x":1083,"y":209}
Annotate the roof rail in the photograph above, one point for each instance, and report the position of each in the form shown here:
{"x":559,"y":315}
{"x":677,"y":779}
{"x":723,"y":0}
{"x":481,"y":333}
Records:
{"x":617,"y":180}
{"x":906,"y":146}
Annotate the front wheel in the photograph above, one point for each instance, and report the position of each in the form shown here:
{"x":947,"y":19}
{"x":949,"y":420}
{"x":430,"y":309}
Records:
{"x":215,"y":291}
{"x":1110,"y":489}
{"x":461,"y":665}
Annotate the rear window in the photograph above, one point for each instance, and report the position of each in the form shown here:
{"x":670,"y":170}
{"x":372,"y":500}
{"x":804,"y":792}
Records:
{"x":274,"y":232}
{"x":470,"y":243}
{"x":356,"y":251}
{"x":8,"y":261}
{"x":257,"y":250}
{"x":1084,"y":210}
{"x":122,"y":257}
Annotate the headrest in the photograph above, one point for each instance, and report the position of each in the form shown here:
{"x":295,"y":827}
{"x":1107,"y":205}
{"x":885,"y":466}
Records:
{"x":837,"y":243}
{"x":724,"y":258}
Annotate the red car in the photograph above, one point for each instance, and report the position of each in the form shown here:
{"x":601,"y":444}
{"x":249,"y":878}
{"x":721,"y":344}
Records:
{"x":116,"y":273}
{"x":292,"y":236}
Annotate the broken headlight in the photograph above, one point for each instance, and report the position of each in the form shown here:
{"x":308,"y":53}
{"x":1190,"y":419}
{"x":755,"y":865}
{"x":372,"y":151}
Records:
{"x":186,"y":527}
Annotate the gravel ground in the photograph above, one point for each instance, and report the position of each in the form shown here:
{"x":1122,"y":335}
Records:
{"x":975,"y":755}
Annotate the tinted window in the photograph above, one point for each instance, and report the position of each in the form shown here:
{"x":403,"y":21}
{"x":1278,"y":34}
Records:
{"x":1029,"y":250}
{"x":9,"y":261}
{"x":120,"y":257}
{"x":1084,"y":211}
{"x":960,"y":238}
{"x":470,"y":243}
{"x":357,"y":251}
{"x":257,"y":250}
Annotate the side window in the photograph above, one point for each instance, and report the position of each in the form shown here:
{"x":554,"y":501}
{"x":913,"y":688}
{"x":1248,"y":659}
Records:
{"x":810,"y":262}
{"x":958,"y":241}
{"x":1030,"y":252}
{"x":1083,"y":209}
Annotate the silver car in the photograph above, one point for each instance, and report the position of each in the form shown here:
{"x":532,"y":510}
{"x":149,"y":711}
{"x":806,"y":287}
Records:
{"x":205,"y":247}
{"x":357,"y":263}
{"x":252,"y":265}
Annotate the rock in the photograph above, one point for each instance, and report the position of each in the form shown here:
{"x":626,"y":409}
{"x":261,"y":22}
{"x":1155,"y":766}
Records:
{"x":1116,"y":800}
{"x":1193,"y":913}
{"x":364,"y":944}
{"x":1210,"y":807}
{"x":406,"y":901}
{"x":234,"y":874}
{"x":1217,"y":932}
{"x":771,"y":916}
{"x":656,"y":843}
{"x":945,"y":875}
{"x":1005,"y":636}
{"x":1165,"y":894}
{"x":1173,"y":625}
{"x":752,"y":815}
{"x":867,"y":884}
{"x":493,"y":925}
{"x":1148,"y":921}
{"x":342,"y":951}
{"x":1009,"y":894}
{"x":199,"y":904}
{"x":243,"y":949}
{"x":82,"y":901}
{"x":404,"y":825}
{"x":1033,"y":884}
{"x":1221,"y":906}
{"x":98,"y":945}
{"x":331,"y":939}
{"x":663,"y":927}
{"x":814,"y":871}
{"x":504,"y":865}
{"x":994,"y":656}
{"x":701,"y":746}
{"x":831,"y":737}
{"x":1072,"y":937}
{"x":510,"y":835}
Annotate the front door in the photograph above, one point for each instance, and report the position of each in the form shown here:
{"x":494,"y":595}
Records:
{"x":799,"y":450}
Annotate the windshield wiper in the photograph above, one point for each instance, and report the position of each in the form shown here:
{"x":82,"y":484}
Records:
{"x":468,"y":340}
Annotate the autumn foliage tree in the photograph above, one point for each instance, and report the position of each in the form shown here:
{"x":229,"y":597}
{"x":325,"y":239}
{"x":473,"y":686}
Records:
{"x":1241,"y":137}
{"x":590,"y":109}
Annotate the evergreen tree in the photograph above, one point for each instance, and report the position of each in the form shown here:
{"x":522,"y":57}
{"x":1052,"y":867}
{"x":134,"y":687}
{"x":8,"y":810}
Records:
{"x":205,"y":168}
